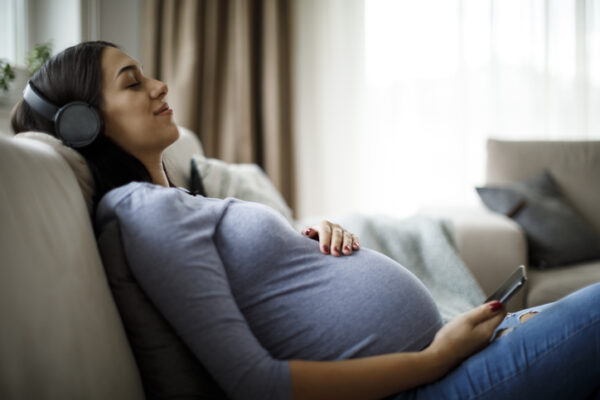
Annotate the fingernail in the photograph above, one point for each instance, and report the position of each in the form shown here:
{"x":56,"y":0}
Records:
{"x":308,"y":231}
{"x":356,"y":246}
{"x":336,"y":250}
{"x":495,"y":306}
{"x":347,"y":249}
{"x":326,"y":249}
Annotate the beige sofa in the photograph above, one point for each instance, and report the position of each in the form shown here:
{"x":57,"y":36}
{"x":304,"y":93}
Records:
{"x":492,"y":245}
{"x":61,"y":335}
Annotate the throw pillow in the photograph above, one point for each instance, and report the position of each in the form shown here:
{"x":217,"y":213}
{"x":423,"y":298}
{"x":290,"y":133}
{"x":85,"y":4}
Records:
{"x":167,"y":368}
{"x":556,"y":235}
{"x":243,"y":181}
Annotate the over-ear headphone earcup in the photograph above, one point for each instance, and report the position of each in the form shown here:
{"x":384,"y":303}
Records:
{"x":77,"y":124}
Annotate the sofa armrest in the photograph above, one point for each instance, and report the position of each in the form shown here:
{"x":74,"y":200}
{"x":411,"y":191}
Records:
{"x":491,"y":245}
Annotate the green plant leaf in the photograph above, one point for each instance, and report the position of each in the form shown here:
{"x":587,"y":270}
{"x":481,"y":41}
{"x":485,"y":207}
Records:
{"x":7,"y":75}
{"x":37,"y":56}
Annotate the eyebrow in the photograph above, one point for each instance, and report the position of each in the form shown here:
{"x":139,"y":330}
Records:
{"x":127,"y":68}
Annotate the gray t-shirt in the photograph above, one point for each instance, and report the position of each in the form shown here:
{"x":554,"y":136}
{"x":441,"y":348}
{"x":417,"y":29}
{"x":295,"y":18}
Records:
{"x":246,"y":292}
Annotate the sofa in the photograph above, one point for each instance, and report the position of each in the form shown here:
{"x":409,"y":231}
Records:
{"x":62,"y":336}
{"x":492,"y":244}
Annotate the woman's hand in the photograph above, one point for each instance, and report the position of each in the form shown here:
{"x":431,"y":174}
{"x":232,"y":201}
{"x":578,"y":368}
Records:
{"x":332,"y":237}
{"x":466,"y":334}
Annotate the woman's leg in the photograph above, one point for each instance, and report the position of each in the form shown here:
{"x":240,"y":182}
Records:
{"x":553,"y":355}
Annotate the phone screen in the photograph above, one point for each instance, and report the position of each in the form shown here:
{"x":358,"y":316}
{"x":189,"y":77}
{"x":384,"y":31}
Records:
{"x":510,"y":287}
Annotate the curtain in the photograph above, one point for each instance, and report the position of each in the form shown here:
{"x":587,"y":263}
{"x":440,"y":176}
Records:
{"x":227,"y":66}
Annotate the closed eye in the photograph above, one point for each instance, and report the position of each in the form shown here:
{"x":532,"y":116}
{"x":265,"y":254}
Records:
{"x":133,"y":85}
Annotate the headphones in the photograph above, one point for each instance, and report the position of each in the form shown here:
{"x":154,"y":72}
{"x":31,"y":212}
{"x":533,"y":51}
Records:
{"x":77,"y":123}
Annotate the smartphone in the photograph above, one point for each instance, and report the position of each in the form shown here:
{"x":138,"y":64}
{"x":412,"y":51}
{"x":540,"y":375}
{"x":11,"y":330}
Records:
{"x":512,"y":285}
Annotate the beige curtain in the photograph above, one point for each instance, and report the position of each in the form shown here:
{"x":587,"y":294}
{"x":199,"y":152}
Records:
{"x":227,"y":66}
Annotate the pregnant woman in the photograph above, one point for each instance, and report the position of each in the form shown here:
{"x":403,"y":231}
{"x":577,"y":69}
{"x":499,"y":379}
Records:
{"x":274,"y":314}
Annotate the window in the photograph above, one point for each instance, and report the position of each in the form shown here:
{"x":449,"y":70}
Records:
{"x":401,"y":95}
{"x":13,"y":30}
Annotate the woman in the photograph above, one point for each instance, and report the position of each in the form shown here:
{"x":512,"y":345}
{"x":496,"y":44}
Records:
{"x":386,"y":341}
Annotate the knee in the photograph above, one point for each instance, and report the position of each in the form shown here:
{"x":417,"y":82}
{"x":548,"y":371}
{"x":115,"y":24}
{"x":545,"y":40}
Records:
{"x":586,"y":299}
{"x":591,"y":292}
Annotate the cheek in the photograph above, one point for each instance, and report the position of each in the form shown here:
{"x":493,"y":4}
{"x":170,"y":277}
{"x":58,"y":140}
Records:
{"x":126,"y":123}
{"x":123,"y":130}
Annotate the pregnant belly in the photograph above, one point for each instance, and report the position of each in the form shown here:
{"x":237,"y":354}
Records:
{"x":312,"y":306}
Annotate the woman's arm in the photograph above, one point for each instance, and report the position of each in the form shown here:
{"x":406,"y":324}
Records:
{"x":363,"y":378}
{"x":379,"y":376}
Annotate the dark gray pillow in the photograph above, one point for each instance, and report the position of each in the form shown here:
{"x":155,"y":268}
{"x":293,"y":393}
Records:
{"x":167,"y":368}
{"x":556,"y":235}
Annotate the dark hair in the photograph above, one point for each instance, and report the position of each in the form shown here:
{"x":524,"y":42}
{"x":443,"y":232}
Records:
{"x":75,"y":74}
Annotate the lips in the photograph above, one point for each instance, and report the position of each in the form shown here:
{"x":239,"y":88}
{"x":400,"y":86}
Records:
{"x":163,"y":108}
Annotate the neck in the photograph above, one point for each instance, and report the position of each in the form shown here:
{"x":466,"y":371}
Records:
{"x":156,"y":170}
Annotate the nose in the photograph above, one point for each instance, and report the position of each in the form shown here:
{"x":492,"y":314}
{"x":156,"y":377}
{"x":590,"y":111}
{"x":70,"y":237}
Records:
{"x":158,"y":89}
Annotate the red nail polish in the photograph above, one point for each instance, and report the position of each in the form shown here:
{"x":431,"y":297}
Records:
{"x":495,"y":306}
{"x":308,"y":231}
{"x":346,"y":248}
{"x":336,"y":249}
{"x":356,"y":246}
{"x":326,"y":249}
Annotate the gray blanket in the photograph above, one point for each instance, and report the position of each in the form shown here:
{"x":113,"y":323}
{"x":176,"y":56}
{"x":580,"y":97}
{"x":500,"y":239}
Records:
{"x":425,"y":246}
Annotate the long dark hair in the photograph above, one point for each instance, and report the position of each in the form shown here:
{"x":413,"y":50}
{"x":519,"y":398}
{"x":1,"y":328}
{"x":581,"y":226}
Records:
{"x":75,"y":74}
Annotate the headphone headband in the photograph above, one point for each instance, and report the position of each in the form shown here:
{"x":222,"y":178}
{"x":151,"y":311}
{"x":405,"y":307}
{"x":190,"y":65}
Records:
{"x":38,"y":103}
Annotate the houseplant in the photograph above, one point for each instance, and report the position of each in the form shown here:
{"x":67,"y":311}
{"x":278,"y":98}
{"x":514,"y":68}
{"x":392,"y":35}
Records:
{"x":13,"y":78}
{"x":7,"y":74}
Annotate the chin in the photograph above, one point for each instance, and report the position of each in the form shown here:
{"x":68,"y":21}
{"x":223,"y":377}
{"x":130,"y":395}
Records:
{"x":171,"y":134}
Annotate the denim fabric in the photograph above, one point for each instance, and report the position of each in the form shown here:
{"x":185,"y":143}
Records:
{"x":553,"y":355}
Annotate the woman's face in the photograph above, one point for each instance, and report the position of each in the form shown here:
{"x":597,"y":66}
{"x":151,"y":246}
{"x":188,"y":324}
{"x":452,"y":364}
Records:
{"x":136,"y":117}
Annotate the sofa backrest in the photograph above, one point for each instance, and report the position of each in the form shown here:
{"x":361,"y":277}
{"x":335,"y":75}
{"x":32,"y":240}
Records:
{"x":575,"y":165}
{"x":61,"y":334}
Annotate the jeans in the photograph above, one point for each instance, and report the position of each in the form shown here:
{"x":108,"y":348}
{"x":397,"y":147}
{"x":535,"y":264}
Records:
{"x":553,"y":355}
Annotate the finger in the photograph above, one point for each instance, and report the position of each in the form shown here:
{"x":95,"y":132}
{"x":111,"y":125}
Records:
{"x":312,"y":233}
{"x":484,"y":312}
{"x":486,"y":328}
{"x":337,"y":236}
{"x":347,"y":244}
{"x":324,"y":236}
{"x":355,"y":243}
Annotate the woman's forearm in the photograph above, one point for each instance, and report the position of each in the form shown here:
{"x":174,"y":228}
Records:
{"x":364,"y":378}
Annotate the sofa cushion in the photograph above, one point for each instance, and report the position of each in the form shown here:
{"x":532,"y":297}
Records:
{"x":243,"y":181}
{"x":61,"y":335}
{"x":551,"y":285}
{"x":575,"y":166}
{"x":168,"y":369}
{"x":556,"y":235}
